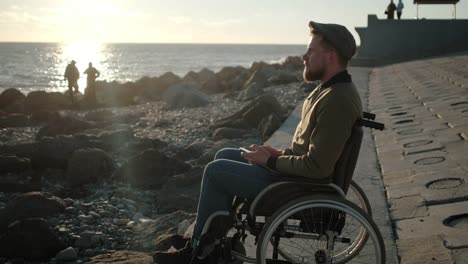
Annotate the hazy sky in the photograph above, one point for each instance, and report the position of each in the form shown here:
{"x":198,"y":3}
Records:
{"x":190,"y":21}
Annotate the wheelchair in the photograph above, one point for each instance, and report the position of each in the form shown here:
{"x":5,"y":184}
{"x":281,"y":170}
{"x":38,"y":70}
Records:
{"x":302,"y":220}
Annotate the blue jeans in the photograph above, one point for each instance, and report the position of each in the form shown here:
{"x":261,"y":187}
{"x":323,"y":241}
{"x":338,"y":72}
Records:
{"x":227,"y":176}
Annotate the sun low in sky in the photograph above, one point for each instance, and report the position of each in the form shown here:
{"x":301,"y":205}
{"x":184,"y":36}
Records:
{"x":190,"y":21}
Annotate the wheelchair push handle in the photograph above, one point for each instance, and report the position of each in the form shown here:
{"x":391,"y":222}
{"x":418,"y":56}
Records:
{"x":368,"y":115}
{"x":365,"y":122}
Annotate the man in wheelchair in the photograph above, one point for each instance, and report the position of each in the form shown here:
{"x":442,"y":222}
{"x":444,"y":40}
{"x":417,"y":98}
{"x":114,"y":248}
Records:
{"x":328,"y":116}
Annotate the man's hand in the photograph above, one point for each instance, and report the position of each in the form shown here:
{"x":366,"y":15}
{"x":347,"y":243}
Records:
{"x":258,"y":156}
{"x":273,"y":152}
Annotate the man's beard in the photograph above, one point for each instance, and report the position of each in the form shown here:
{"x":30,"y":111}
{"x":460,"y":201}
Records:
{"x":311,"y":76}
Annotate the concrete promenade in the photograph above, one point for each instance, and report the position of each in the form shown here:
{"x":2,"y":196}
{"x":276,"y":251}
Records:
{"x":416,"y":172}
{"x":423,"y":155}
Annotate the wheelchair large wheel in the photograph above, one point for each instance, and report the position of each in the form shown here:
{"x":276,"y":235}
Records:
{"x":319,"y":229}
{"x":357,"y":196}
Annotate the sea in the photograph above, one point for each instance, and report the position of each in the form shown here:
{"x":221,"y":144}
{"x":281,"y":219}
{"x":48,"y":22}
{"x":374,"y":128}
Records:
{"x":40,"y":66}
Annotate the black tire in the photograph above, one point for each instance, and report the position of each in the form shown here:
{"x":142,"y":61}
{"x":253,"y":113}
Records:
{"x":290,"y":211}
{"x":363,"y":200}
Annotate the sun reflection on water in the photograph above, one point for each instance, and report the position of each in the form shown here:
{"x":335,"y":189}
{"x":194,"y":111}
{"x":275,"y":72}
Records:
{"x":83,"y":53}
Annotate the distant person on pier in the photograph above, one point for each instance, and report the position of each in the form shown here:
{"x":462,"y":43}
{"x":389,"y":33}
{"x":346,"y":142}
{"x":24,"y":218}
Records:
{"x":390,"y":12}
{"x":72,"y":75}
{"x":399,"y":9}
{"x":90,"y":91}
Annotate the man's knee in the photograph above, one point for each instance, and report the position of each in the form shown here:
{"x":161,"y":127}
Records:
{"x":227,"y":153}
{"x":221,"y":154}
{"x":215,"y":166}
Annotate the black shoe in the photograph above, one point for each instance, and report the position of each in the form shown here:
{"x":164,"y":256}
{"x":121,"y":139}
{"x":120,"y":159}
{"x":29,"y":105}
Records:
{"x":179,"y":241}
{"x":181,"y":256}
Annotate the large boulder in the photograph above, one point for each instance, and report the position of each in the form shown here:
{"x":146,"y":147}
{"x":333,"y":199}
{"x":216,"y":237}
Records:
{"x":262,"y":67}
{"x":156,"y":89}
{"x":250,"y":92}
{"x":13,"y":164}
{"x":24,"y":150}
{"x":268,"y":126}
{"x":41,"y":100}
{"x":114,"y":93}
{"x":251,"y":114}
{"x":283,"y":77}
{"x":10,"y":96}
{"x":31,"y":239}
{"x":294,"y":63}
{"x":232,"y":78}
{"x":45,"y":117}
{"x":64,"y":126}
{"x":150,"y":169}
{"x":30,"y":205}
{"x":227,"y":132}
{"x":55,"y":152}
{"x":184,"y":95}
{"x":88,"y":165}
{"x":14,"y":120}
{"x":257,"y":77}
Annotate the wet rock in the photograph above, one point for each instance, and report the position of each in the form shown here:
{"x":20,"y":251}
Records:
{"x":88,"y":165}
{"x":150,"y":169}
{"x":31,"y":239}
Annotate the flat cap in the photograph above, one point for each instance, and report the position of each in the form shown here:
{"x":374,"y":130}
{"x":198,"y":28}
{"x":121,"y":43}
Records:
{"x":338,"y":36}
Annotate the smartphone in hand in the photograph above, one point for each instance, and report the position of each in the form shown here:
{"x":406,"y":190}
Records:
{"x":245,"y":150}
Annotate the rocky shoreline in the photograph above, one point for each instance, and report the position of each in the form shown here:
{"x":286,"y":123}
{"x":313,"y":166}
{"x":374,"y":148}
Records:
{"x":110,"y":183}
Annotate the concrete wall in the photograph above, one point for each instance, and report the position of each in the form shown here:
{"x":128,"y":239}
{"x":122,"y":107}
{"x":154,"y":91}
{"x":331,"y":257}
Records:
{"x":399,"y":39}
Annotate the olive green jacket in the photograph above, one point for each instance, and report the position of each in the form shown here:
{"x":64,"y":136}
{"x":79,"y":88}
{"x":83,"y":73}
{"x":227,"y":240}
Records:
{"x":328,"y":115}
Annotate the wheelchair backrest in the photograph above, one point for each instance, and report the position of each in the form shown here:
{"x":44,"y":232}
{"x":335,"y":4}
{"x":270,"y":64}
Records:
{"x":344,"y":167}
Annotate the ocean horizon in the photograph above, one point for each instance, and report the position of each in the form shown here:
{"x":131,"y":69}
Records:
{"x":30,"y":66}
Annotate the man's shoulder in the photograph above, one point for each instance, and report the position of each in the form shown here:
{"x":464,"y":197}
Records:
{"x":341,"y":93}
